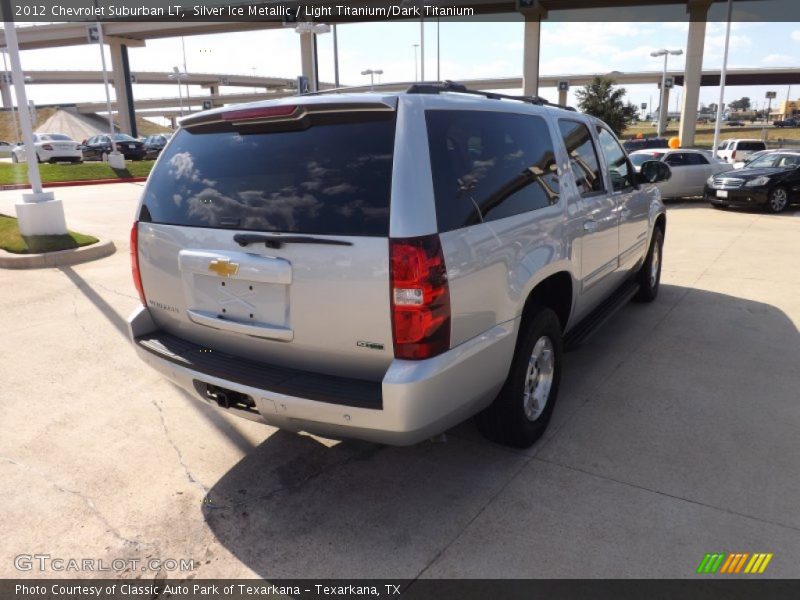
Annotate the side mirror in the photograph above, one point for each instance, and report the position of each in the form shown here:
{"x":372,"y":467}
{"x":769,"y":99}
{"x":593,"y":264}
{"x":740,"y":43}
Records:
{"x":653,"y":171}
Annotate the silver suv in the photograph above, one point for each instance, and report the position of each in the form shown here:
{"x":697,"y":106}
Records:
{"x":384,"y":266}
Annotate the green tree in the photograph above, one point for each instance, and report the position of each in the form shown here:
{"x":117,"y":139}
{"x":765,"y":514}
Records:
{"x":602,"y":100}
{"x":740,"y":104}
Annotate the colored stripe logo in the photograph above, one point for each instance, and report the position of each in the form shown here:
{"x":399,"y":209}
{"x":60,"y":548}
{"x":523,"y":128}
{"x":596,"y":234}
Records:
{"x":734,"y":563}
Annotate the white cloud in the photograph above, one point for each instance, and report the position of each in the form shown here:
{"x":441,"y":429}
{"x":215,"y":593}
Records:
{"x":796,"y":35}
{"x":778,"y":58}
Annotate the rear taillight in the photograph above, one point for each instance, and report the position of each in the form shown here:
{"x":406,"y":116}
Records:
{"x":137,"y":276}
{"x":47,"y":147}
{"x":420,"y":297}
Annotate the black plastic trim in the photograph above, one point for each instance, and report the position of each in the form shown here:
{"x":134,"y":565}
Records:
{"x":344,"y":391}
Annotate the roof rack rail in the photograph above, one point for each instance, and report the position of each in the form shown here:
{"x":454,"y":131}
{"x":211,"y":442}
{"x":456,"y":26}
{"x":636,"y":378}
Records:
{"x":436,"y":87}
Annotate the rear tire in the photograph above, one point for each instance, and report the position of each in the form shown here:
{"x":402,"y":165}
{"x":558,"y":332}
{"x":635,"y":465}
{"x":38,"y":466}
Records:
{"x":520,"y":413}
{"x":649,"y":276}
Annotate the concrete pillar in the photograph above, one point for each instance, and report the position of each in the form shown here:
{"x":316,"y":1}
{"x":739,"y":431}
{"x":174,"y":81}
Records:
{"x":663,"y":111}
{"x":562,"y":97}
{"x":530,"y":56}
{"x":698,"y":11}
{"x":213,"y":90}
{"x":122,"y":88}
{"x":5,"y":92}
{"x":308,"y":60}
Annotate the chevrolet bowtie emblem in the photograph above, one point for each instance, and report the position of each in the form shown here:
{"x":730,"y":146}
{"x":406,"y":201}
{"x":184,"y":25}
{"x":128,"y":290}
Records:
{"x":223,"y":267}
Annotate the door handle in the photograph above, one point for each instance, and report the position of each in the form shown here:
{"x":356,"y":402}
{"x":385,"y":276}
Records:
{"x":589,"y":225}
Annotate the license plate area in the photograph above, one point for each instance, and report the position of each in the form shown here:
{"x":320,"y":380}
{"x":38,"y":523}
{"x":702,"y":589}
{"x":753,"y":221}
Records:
{"x":241,"y":300}
{"x":722,"y":193}
{"x":237,"y":292}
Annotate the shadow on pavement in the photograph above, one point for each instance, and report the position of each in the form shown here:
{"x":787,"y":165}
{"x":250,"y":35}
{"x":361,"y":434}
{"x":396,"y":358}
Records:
{"x":294,"y":507}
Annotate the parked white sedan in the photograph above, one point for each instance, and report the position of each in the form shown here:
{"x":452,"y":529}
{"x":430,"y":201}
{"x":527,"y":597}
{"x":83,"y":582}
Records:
{"x":50,"y":147}
{"x":690,"y":169}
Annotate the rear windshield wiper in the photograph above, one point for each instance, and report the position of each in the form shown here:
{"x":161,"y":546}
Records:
{"x":276,"y":241}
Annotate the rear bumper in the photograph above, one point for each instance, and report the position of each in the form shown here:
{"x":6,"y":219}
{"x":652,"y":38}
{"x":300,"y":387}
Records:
{"x":417,"y":399}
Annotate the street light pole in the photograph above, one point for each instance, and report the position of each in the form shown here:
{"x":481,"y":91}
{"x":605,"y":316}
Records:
{"x":335,"y":57}
{"x":422,"y":49}
{"x":416,"y":63}
{"x":100,"y":43}
{"x":722,"y":76}
{"x":372,"y":73}
{"x":14,"y":112}
{"x":663,"y":111}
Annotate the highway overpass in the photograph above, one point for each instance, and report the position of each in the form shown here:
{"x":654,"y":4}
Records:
{"x":121,"y":35}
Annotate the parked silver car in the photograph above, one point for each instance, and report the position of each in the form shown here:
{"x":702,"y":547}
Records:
{"x":386,"y":265}
{"x":690,"y":169}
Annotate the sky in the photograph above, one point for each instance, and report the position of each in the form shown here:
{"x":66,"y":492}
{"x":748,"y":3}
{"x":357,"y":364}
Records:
{"x":467,"y":50}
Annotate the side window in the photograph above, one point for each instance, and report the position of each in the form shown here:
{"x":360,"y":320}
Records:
{"x":582,"y":156}
{"x":489,"y":165}
{"x":677,"y":159}
{"x":695,"y":158}
{"x":616,"y":160}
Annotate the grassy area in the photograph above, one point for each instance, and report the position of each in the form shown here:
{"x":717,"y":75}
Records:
{"x":705,"y":134}
{"x":12,"y":241}
{"x":18,"y":173}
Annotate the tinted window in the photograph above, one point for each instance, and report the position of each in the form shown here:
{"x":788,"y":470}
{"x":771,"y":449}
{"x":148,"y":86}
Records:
{"x":695,"y":158}
{"x":616,"y":160}
{"x":676,"y":159}
{"x":327,"y":179}
{"x":750,"y":146}
{"x":583,"y":156}
{"x":638,"y":158}
{"x":489,"y":165}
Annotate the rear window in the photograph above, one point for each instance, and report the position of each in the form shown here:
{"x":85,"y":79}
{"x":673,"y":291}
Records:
{"x":489,"y":165}
{"x":750,"y":146}
{"x":332,"y":179}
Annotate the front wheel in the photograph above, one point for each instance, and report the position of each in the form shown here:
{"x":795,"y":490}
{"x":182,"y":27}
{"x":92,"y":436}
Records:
{"x":520,"y":413}
{"x":649,"y":276}
{"x":778,"y":200}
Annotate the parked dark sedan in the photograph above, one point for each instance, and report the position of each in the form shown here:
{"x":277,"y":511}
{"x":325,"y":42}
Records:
{"x":771,"y":181}
{"x":154,"y":144}
{"x":98,"y":147}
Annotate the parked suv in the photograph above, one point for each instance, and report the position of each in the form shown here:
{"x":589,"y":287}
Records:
{"x":734,"y":150}
{"x":386,"y":265}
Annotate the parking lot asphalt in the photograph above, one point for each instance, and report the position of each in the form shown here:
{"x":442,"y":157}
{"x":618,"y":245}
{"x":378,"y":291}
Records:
{"x":675,"y":434}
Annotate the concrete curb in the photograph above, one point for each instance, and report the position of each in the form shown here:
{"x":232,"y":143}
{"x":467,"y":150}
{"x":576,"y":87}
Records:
{"x":60,"y":258}
{"x":77,"y":182}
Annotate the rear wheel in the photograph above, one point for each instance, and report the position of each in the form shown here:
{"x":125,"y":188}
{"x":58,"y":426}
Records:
{"x":520,"y":413}
{"x":778,"y":200}
{"x":649,"y":276}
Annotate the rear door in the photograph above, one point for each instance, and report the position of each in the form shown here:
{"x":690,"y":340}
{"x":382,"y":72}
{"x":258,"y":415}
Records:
{"x":264,"y":233}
